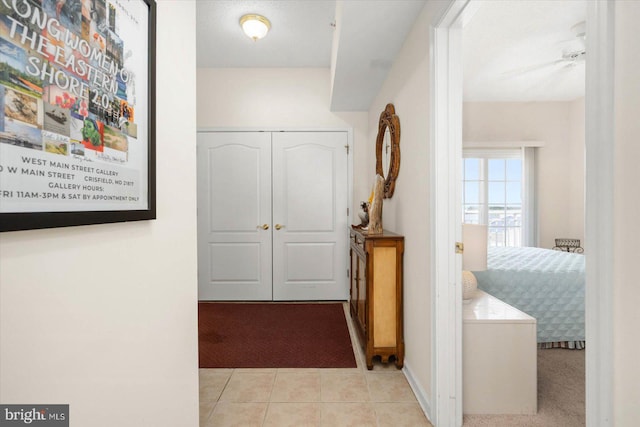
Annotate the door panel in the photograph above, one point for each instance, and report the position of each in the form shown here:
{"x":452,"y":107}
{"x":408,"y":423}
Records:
{"x":310,"y":203}
{"x":308,"y":187}
{"x":234,"y":201}
{"x":234,"y":191}
{"x":224,"y":265}
{"x":299,"y":269}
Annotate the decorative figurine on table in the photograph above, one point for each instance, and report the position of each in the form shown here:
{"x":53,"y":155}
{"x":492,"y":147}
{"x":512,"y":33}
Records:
{"x":364,"y":215}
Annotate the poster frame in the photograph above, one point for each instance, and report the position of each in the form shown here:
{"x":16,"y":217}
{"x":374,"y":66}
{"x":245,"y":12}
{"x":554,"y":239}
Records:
{"x":16,"y":221}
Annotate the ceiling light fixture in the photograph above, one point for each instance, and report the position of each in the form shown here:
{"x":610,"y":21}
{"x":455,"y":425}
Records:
{"x":255,"y":26}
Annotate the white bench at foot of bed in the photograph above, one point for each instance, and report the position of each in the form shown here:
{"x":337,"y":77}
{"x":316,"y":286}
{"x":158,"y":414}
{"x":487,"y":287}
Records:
{"x":499,"y":358}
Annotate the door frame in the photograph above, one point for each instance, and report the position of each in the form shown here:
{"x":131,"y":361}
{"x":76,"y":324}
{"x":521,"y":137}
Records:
{"x":446,"y":146}
{"x":350,"y":143}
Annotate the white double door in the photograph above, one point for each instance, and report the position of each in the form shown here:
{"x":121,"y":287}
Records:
{"x":272,"y":216}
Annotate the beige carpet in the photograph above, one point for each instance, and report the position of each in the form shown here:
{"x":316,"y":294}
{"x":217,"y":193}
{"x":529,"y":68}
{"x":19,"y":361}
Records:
{"x":560,"y":394}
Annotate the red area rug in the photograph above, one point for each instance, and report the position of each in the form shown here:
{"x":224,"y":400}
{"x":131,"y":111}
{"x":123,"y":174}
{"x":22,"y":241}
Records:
{"x":273,"y":335}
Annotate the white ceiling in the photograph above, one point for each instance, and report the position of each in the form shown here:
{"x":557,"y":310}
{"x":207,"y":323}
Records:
{"x":513,"y":49}
{"x":300,"y":35}
{"x":368,"y":36}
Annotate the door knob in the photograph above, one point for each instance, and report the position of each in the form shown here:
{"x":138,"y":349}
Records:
{"x":278,"y":226}
{"x":264,"y":226}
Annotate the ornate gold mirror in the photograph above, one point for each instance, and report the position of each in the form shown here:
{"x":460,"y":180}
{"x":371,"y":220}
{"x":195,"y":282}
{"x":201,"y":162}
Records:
{"x":388,"y":149}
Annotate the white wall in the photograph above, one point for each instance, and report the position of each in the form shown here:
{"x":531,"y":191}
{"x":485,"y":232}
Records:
{"x":285,"y":98}
{"x":104,"y":317}
{"x":577,"y":173}
{"x":560,"y":163}
{"x":626,"y":291}
{"x":407,"y":212}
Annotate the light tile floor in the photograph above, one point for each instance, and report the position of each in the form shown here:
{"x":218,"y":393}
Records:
{"x":310,"y":397}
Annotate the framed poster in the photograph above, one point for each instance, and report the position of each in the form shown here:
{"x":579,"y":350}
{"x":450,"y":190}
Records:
{"x":77,"y":113}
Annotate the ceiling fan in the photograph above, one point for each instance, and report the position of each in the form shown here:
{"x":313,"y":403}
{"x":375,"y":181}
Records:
{"x":580,"y":37}
{"x":570,"y":57}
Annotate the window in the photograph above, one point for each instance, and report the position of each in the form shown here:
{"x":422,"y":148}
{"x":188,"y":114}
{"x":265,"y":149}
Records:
{"x":494,"y":191}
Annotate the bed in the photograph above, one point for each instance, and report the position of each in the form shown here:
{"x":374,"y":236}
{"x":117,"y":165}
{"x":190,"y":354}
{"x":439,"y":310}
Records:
{"x":546,"y":284}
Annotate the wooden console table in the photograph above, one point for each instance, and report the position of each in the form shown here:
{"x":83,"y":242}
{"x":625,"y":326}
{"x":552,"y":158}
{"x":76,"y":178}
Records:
{"x":376,"y":294}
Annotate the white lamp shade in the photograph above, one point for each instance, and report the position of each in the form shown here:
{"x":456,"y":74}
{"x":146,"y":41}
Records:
{"x":474,"y":237}
{"x":255,"y":26}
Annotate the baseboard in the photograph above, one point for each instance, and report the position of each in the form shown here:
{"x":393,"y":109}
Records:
{"x":423,"y":400}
